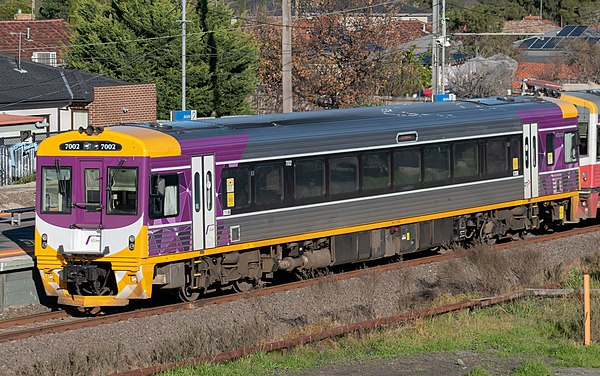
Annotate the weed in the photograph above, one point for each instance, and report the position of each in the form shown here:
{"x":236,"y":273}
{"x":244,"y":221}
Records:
{"x":478,"y":371}
{"x":532,"y":367}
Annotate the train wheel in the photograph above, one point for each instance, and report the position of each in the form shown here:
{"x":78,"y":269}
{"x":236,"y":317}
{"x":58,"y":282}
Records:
{"x":187,"y":294}
{"x":242,"y":285}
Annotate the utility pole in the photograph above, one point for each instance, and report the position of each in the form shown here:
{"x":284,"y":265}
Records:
{"x":183,"y":52}
{"x":444,"y":44}
{"x":286,"y":56}
{"x":434,"y":50}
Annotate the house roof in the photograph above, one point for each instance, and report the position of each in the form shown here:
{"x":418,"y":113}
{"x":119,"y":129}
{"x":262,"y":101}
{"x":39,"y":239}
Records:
{"x":529,"y":24}
{"x":6,"y":119}
{"x":38,"y":83}
{"x":44,"y":36}
{"x":553,"y":71}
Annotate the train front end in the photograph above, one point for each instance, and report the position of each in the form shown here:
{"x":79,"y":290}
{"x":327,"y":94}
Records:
{"x":91,"y":234}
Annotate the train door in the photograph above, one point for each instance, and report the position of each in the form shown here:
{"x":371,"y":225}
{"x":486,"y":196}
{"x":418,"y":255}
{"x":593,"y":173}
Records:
{"x":530,"y":160}
{"x":203,"y":205}
{"x":88,"y":204}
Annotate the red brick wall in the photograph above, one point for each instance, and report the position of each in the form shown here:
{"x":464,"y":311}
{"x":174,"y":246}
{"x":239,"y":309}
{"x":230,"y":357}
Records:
{"x":123,"y":104}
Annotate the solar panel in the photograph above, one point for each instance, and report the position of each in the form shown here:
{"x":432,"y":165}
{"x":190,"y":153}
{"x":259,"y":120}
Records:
{"x":593,"y":40}
{"x":565,"y":31}
{"x":552,"y":42}
{"x":578,"y":31}
{"x":539,"y":43}
{"x":528,"y":42}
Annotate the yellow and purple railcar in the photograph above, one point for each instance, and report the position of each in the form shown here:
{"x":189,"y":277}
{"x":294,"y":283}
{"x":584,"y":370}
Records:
{"x":196,"y":205}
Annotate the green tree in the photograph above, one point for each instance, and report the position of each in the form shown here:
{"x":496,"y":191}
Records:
{"x":9,"y":8}
{"x":140,"y":41}
{"x":405,"y":74}
{"x":52,"y":9}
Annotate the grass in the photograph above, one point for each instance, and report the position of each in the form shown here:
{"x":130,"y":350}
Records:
{"x":533,"y":329}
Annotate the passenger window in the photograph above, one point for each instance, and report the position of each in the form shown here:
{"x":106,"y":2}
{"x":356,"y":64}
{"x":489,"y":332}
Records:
{"x":407,"y":167}
{"x":236,"y":183}
{"x":309,"y":178}
{"x":343,"y":175}
{"x":496,"y":157}
{"x":164,"y":197}
{"x":122,"y":190}
{"x":269,"y":184}
{"x":550,"y":149}
{"x":376,"y":170}
{"x":436,"y":160}
{"x":465,"y":160}
{"x":570,"y":147}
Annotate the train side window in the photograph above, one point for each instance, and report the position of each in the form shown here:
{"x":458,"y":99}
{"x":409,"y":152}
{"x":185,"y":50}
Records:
{"x":122,"y":190}
{"x":236,"y":183}
{"x":583,"y":137}
{"x":550,"y":149}
{"x":164,"y":197}
{"x":407,"y":167}
{"x":375,"y":171}
{"x":570,"y":147}
{"x":56,"y":190}
{"x":269,"y":183}
{"x":343,"y":175}
{"x":466,"y":159}
{"x":436,"y":160}
{"x":309,"y":178}
{"x":496,"y":157}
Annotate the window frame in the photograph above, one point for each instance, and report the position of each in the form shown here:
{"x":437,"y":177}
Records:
{"x":323,"y":187}
{"x":454,"y":161}
{"x":109,"y":190}
{"x":575,"y":146}
{"x":350,"y":193}
{"x":254,"y":184}
{"x":70,"y":198}
{"x":361,"y":177}
{"x":151,"y":195}
{"x":224,"y":192}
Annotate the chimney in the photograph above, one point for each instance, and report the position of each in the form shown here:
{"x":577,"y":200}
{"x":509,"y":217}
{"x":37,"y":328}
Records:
{"x":23,"y":16}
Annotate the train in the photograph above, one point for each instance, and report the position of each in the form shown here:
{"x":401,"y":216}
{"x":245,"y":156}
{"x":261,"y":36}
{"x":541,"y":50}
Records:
{"x":192,"y":206}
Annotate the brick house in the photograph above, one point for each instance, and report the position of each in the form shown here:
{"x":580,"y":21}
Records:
{"x":529,"y":24}
{"x":42,"y":41}
{"x":69,"y":99}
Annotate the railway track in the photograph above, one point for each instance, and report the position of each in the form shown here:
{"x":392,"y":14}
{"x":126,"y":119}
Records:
{"x":36,"y":325}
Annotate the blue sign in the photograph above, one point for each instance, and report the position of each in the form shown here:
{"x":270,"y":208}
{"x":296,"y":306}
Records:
{"x":445,"y":97}
{"x":183,"y":115}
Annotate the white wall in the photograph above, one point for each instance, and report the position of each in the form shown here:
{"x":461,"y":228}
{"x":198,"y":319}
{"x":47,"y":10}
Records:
{"x":55,"y":114}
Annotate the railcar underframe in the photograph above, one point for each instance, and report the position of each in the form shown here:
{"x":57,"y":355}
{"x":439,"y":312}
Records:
{"x":245,"y":269}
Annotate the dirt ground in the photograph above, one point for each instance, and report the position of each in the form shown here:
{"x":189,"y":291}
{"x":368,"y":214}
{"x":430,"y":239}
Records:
{"x":17,"y":196}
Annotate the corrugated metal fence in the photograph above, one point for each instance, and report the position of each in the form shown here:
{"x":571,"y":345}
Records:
{"x":17,"y":157}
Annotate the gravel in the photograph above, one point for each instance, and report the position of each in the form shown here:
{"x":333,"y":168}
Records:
{"x":17,"y":196}
{"x":212,"y":329}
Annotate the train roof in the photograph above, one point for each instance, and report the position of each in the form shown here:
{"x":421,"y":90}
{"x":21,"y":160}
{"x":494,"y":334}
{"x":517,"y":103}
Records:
{"x":589,"y":99}
{"x":332,"y":131}
{"x":404,"y":116}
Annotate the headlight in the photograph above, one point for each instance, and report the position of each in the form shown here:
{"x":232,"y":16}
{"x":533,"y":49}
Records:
{"x":44,"y":240}
{"x":131,"y":242}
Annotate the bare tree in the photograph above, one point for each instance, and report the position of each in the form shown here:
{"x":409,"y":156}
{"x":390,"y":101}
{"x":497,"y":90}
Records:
{"x":480,"y":77}
{"x":338,"y":54}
